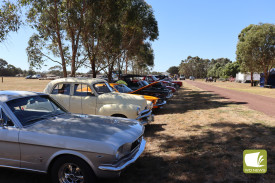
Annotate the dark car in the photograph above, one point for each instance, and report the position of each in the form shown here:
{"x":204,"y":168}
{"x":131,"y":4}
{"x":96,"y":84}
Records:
{"x":182,"y":77}
{"x":28,"y":77}
{"x":164,"y":78}
{"x":143,"y":88}
{"x":167,"y":83}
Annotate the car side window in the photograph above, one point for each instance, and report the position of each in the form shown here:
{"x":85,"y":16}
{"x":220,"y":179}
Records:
{"x":6,"y":120}
{"x":82,"y":90}
{"x":61,"y":89}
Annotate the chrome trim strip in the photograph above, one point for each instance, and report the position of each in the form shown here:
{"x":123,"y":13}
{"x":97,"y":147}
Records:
{"x":148,"y":113}
{"x":148,"y":120}
{"x":143,"y":111}
{"x":119,"y":168}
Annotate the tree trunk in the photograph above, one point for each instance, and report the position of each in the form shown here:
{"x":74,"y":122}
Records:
{"x":93,"y":66}
{"x":74,"y":50}
{"x":59,"y":42}
{"x":126,"y":65}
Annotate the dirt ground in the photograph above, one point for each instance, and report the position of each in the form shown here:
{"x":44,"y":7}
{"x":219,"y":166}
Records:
{"x":197,"y":137}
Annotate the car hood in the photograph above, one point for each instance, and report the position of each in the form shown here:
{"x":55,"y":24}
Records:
{"x":82,"y":132}
{"x":145,"y":87}
{"x":122,"y":98}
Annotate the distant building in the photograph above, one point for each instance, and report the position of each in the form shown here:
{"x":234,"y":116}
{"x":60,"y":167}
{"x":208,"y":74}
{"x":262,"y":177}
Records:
{"x":246,"y":77}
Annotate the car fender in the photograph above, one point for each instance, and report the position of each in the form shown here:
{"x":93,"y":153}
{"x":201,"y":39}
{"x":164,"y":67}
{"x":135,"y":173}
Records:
{"x":128,"y":110}
{"x":69,"y":152}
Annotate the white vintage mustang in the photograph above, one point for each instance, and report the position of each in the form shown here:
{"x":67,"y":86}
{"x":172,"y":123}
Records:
{"x":38,"y":134}
{"x":96,"y":96}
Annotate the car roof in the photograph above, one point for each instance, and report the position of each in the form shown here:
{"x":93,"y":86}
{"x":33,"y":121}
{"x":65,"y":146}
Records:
{"x":73,"y":80}
{"x":8,"y":95}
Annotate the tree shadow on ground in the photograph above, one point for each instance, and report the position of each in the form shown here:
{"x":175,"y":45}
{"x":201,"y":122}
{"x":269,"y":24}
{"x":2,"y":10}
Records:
{"x":187,"y":100}
{"x":215,"y":155}
{"x":20,"y":176}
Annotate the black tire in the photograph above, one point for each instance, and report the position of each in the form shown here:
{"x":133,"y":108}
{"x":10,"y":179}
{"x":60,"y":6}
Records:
{"x":75,"y":167}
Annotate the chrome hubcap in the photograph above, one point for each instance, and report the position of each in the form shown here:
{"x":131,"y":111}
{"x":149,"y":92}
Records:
{"x":70,"y":173}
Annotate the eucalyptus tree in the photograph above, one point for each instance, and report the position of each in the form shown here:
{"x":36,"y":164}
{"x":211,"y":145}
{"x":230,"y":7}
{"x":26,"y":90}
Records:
{"x":101,"y":35}
{"x":256,"y":48}
{"x":231,"y":69}
{"x":9,"y":19}
{"x":139,"y":27}
{"x":144,"y":58}
{"x":248,"y":61}
{"x":217,"y":66}
{"x":173,"y":70}
{"x":194,"y":66}
{"x":116,"y":31}
{"x":58,"y":24}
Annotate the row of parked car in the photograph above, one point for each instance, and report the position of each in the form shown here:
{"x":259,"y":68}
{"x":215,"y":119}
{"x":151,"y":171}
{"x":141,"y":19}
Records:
{"x":79,"y":129}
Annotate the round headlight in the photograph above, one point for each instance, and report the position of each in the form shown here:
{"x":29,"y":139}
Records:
{"x":123,"y":150}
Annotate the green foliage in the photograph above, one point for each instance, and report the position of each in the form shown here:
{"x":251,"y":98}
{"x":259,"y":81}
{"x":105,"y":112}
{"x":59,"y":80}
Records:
{"x":9,"y":18}
{"x":194,"y":66}
{"x":201,"y":68}
{"x":8,"y":69}
{"x":173,"y":70}
{"x":107,"y":33}
{"x":256,"y":48}
{"x":217,"y":66}
{"x":231,"y":69}
{"x":56,"y":70}
{"x":121,"y":82}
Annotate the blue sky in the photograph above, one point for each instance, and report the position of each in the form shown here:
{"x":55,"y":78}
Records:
{"x":204,"y":28}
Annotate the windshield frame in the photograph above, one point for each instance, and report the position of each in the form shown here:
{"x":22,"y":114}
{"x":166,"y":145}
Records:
{"x":36,"y":119}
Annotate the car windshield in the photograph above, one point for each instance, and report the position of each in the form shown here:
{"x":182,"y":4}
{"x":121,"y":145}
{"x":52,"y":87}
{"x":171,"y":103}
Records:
{"x":144,"y":83}
{"x":103,"y":87}
{"x":154,"y":78}
{"x":29,"y":110}
{"x":123,"y":88}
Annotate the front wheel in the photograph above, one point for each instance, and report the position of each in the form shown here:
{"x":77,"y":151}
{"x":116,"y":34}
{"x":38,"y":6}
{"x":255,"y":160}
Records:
{"x":70,"y":169}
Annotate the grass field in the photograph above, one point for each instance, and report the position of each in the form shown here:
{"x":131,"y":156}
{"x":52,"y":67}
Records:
{"x":197,"y":137}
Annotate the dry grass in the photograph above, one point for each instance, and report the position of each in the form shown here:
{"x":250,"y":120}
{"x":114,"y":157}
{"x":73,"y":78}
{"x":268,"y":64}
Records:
{"x":200,"y":137}
{"x":19,"y":83}
{"x":197,"y":137}
{"x":243,"y":87}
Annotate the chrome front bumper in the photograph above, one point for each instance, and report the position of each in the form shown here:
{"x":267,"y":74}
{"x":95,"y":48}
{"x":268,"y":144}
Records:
{"x":119,"y":166}
{"x":145,"y":117}
{"x":161,"y":104}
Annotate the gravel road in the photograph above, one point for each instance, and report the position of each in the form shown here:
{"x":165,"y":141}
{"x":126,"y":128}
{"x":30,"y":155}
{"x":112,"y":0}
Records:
{"x":255,"y":102}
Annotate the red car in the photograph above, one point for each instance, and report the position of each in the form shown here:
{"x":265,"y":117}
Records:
{"x":151,"y":79}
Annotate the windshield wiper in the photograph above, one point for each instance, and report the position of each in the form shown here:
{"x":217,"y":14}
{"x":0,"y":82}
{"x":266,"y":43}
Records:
{"x":57,"y":114}
{"x":36,"y":119}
